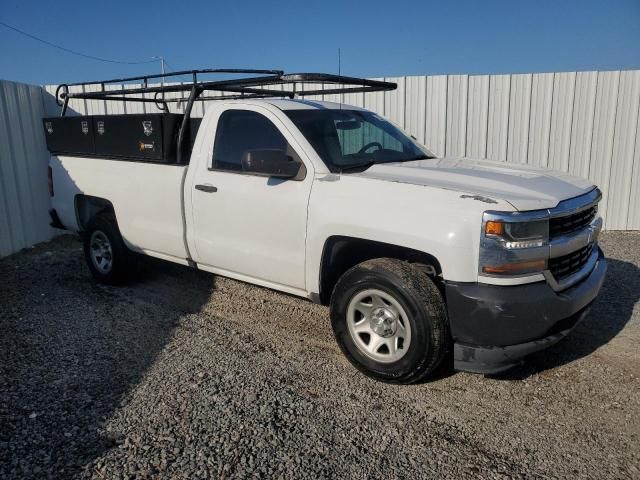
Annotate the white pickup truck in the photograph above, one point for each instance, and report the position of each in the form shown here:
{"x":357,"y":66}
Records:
{"x":418,"y":257}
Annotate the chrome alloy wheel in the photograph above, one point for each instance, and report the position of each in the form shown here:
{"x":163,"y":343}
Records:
{"x":379,"y":326}
{"x":101,"y":252}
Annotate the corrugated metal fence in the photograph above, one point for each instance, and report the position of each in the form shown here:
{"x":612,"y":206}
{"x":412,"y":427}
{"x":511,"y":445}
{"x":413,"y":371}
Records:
{"x":24,"y":196}
{"x":584,"y":123}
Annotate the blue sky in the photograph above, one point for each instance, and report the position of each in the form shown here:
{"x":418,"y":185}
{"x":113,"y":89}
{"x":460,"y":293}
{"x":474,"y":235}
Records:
{"x":377,"y":38}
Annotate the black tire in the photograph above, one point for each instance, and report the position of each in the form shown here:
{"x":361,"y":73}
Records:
{"x":422,"y":304}
{"x":104,"y":226}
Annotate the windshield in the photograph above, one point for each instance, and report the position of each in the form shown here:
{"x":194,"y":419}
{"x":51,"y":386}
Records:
{"x":355,"y":139}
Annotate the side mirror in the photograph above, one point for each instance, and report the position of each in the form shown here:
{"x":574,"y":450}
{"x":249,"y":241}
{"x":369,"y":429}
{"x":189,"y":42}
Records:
{"x":270,"y":163}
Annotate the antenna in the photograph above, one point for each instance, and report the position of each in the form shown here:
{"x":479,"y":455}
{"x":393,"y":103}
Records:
{"x":161,"y":58}
{"x":162,"y":64}
{"x":339,"y":73}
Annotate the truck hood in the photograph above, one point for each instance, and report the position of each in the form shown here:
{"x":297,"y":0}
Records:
{"x":524,"y":187}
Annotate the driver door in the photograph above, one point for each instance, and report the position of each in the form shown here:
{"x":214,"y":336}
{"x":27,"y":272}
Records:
{"x":248,"y":226}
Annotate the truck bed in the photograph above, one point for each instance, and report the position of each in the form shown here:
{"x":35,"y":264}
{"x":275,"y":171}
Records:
{"x":146,"y":197}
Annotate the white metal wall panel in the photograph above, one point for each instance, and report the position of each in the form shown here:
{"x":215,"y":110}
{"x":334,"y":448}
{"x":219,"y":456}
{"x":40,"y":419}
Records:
{"x":477,"y":116}
{"x":498,"y":120}
{"x":375,"y":101}
{"x":624,"y":143}
{"x":584,"y":105}
{"x":633,"y":219}
{"x":116,"y":108}
{"x":603,"y":128}
{"x":208,"y":105}
{"x":176,"y":107}
{"x":355,"y":99}
{"x":49,"y":99}
{"x":26,"y":129}
{"x":37,"y":158}
{"x":456,"y":134}
{"x":134,"y":107}
{"x":519,"y":109}
{"x":333,"y":97}
{"x":12,"y":235}
{"x":540,"y":119}
{"x":81,"y":107}
{"x":95,"y":107}
{"x":198,"y":109}
{"x":561,"y":116}
{"x":416,"y":90}
{"x":151,"y":107}
{"x":15,"y":110}
{"x":311,"y":87}
{"x":436,"y":114}
{"x":24,"y":197}
{"x":395,"y":101}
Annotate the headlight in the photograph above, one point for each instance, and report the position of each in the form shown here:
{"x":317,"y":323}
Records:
{"x":513,"y":245}
{"x":518,"y":234}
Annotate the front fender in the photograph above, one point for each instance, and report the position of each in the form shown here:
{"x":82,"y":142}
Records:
{"x":442,"y":223}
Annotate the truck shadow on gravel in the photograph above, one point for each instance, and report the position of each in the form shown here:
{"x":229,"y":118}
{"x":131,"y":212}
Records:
{"x":609,"y":314}
{"x":72,"y":352}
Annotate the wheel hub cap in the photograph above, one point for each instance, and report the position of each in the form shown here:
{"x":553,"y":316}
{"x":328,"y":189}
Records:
{"x":101,"y":252}
{"x":378,"y":325}
{"x":383,"y":322}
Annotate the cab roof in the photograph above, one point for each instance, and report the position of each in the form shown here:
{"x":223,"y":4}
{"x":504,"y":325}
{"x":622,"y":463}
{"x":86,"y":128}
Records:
{"x":300,"y":104}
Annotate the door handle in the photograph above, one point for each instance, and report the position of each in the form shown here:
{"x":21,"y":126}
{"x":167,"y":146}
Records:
{"x":206,"y":188}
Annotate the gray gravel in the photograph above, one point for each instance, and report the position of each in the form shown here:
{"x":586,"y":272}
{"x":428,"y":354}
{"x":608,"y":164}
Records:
{"x":186,"y":375}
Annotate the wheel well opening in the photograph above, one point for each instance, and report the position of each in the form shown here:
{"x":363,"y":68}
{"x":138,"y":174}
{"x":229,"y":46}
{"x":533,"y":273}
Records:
{"x":87,"y":207}
{"x":341,"y":253}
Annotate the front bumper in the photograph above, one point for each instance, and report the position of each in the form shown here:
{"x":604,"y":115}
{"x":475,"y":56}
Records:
{"x":495,"y":327}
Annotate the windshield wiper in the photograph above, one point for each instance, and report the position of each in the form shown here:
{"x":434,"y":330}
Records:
{"x":362,"y":166}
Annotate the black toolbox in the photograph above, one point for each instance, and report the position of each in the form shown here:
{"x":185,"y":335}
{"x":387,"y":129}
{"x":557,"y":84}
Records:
{"x":151,"y":137}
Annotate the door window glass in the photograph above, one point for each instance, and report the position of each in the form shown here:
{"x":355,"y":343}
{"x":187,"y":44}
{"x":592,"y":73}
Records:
{"x":240,"y":131}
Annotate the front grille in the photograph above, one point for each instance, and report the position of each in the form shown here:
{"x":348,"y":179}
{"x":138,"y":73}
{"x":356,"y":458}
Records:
{"x":570,"y":223}
{"x":567,"y":265}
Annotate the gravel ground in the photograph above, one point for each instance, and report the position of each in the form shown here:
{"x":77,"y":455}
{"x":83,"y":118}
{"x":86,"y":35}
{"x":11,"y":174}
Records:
{"x":187,"y":375}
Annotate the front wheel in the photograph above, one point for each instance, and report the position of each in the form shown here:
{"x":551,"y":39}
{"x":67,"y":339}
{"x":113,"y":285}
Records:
{"x":105,"y":252}
{"x":390,"y":321}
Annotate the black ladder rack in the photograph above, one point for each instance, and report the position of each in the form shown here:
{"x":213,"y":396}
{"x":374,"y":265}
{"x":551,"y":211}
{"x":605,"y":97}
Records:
{"x":253,"y":84}
{"x":245,"y":87}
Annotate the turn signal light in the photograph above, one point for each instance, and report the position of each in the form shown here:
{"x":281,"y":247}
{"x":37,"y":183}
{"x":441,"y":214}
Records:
{"x":494,"y":228}
{"x":519,"y":267}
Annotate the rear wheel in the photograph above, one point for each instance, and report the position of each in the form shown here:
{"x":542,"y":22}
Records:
{"x":390,"y":321}
{"x":105,"y":252}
